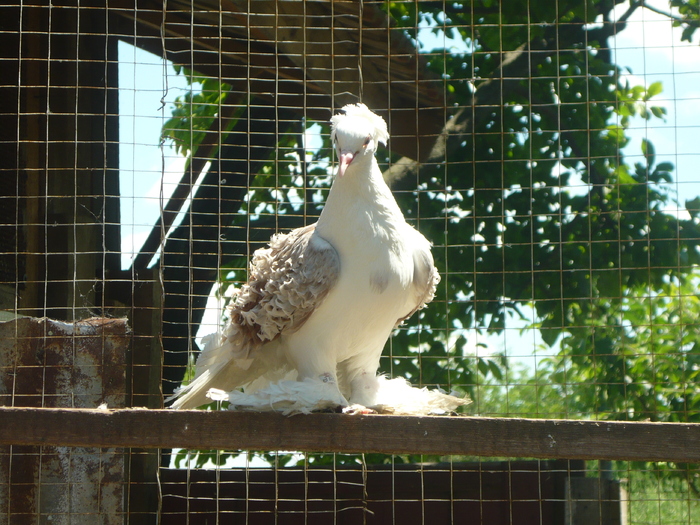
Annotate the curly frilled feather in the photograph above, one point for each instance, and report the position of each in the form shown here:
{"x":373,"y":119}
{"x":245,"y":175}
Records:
{"x":288,"y":281}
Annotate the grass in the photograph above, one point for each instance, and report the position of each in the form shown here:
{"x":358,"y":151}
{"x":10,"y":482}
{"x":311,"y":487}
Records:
{"x":659,"y":501}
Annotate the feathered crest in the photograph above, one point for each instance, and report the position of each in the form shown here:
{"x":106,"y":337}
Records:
{"x":361,"y":111}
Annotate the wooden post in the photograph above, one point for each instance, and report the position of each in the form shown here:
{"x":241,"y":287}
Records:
{"x":64,"y":153}
{"x":45,"y":363}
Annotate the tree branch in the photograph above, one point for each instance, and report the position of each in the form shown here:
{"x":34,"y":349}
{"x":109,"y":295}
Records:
{"x":679,"y":19}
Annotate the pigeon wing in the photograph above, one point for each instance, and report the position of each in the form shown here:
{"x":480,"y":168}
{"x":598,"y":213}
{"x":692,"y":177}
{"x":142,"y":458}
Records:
{"x":425,"y":278}
{"x":287,"y":282}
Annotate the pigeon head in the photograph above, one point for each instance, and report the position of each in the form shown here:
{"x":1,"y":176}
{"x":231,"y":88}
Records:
{"x":356,"y":133}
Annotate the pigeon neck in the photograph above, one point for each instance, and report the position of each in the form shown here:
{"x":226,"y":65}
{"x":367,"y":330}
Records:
{"x":362,"y":182}
{"x":360,"y":195}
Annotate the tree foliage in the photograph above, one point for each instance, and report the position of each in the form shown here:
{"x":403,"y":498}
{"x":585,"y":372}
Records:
{"x":533,"y":202}
{"x":530,"y":201}
{"x":194,"y":113}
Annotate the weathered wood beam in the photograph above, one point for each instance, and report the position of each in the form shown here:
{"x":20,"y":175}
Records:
{"x":308,"y":56}
{"x":470,"y":436}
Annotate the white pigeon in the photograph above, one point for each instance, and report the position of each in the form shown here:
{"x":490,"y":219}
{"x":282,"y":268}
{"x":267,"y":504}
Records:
{"x":321,"y":301}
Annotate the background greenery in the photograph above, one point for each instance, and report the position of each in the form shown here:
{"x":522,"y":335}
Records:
{"x":531,"y":205}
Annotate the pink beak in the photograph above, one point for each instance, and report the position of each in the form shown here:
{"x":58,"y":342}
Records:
{"x":345,"y":160}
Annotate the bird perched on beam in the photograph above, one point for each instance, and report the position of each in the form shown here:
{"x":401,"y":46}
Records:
{"x":321,"y":301}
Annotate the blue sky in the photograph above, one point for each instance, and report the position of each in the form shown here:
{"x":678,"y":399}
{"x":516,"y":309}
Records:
{"x":653,"y":50}
{"x":147,"y":88}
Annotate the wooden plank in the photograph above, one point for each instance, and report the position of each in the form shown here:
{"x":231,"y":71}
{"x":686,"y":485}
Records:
{"x":471,"y":436}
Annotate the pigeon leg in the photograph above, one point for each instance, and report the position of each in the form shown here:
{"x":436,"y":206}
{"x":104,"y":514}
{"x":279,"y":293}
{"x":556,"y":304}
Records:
{"x":364,"y":384}
{"x":311,"y":365}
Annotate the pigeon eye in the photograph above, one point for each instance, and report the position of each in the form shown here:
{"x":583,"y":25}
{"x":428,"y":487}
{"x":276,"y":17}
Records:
{"x":366,"y":143}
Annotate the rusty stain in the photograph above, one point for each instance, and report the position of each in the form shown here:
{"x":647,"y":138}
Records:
{"x":48,"y":363}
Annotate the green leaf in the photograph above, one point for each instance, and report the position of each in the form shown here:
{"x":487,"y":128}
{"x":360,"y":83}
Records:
{"x":649,"y":152}
{"x":693,"y":207}
{"x":623,"y":176}
{"x":665,"y":166}
{"x":654,"y":89}
{"x":658,"y":111}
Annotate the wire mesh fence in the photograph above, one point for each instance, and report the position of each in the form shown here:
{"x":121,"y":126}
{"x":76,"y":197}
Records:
{"x":548,"y":152}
